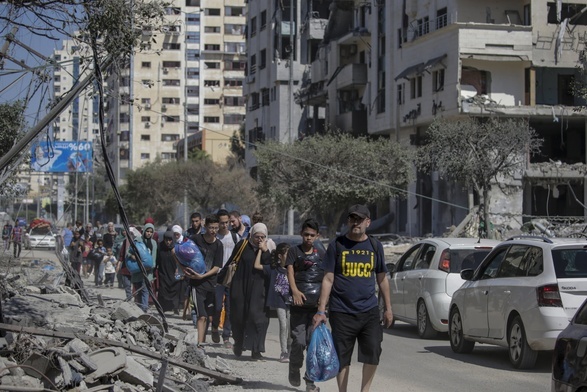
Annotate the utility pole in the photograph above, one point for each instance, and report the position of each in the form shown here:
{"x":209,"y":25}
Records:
{"x":290,"y":212}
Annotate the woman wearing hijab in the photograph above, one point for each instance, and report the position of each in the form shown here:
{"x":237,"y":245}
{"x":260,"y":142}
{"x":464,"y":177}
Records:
{"x":171,"y":290}
{"x":248,"y":315}
{"x":178,"y":234}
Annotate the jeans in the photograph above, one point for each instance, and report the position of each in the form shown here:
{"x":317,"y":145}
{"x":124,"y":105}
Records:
{"x":17,"y":245}
{"x":98,"y":272}
{"x":141,"y":295}
{"x":7,"y":244}
{"x":127,"y":286}
{"x":283,"y":318}
{"x":222,"y":296}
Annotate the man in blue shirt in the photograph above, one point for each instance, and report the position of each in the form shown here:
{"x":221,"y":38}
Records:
{"x":67,"y":235}
{"x":351,"y":267}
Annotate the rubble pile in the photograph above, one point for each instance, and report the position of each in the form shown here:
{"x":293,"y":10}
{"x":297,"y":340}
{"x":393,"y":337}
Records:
{"x":52,"y":340}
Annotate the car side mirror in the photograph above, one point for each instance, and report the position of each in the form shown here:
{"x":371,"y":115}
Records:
{"x":390,"y":268}
{"x":467,"y":274}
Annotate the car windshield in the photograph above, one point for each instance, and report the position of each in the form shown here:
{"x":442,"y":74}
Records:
{"x":41,"y":231}
{"x":461,"y":259}
{"x":570,"y":263}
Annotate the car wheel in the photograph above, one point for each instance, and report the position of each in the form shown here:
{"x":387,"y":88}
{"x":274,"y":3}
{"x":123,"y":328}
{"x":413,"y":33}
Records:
{"x":455,"y":331}
{"x":425,"y":329}
{"x":521,"y":355}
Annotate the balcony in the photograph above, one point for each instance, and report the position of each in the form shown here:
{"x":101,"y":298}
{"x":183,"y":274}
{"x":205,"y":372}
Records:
{"x":313,"y":27}
{"x":495,"y":42}
{"x":352,"y":75}
{"x":280,"y":70}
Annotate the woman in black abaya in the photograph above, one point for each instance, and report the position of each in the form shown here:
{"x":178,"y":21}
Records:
{"x":170,"y":294}
{"x":249,"y":317}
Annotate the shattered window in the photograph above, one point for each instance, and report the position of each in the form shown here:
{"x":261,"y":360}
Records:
{"x":570,"y":11}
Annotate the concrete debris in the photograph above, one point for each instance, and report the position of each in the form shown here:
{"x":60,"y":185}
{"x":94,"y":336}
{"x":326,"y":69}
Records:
{"x":52,"y":339}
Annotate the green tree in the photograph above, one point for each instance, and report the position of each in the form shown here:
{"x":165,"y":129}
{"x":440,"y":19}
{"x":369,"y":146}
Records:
{"x":237,"y":145}
{"x":477,"y":151}
{"x":324,"y":174}
{"x":11,"y":127}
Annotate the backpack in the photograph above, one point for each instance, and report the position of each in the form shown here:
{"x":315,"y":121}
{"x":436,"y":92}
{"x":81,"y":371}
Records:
{"x":281,"y":284}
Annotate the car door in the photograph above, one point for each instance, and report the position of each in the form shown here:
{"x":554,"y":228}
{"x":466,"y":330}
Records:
{"x":414,"y":280}
{"x":396,"y":284}
{"x":474,"y":313}
{"x":507,"y":286}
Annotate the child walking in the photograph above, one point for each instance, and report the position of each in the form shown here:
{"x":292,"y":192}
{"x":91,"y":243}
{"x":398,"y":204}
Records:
{"x":278,"y":292}
{"x":109,"y":268}
{"x":305,"y":273}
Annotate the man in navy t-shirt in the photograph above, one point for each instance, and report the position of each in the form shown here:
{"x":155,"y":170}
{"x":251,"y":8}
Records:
{"x":351,"y":268}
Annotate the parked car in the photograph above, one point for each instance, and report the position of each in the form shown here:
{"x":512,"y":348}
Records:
{"x":424,"y":279}
{"x":521,"y":297}
{"x":569,"y":361}
{"x":39,"y":237}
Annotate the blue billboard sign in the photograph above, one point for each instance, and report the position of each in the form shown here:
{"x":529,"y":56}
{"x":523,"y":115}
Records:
{"x":62,"y":157}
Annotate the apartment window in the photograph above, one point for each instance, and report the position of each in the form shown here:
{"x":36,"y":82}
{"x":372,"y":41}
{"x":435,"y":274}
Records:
{"x":170,"y":118}
{"x":235,"y":47}
{"x":441,"y":18}
{"x":233,"y":118}
{"x":145,"y":101}
{"x":253,"y":67}
{"x":423,"y":26}
{"x":212,"y":29}
{"x":416,"y":87}
{"x":148,"y":83}
{"x":167,"y":155}
{"x":265,"y":97}
{"x":145,"y":155}
{"x":263,"y":56}
{"x":145,"y":118}
{"x":233,"y":11}
{"x":273,"y":94}
{"x":192,"y":3}
{"x":169,"y":137}
{"x":400,"y":94}
{"x":146,"y":64}
{"x":213,"y":11}
{"x":212,"y":64}
{"x":192,"y":19}
{"x":254,"y":101}
{"x":263,"y":20}
{"x":193,"y":73}
{"x":253,"y":25}
{"x":172,"y":11}
{"x":234,"y":29}
{"x":211,"y":101}
{"x":212,"y":47}
{"x":193,"y":37}
{"x":211,"y":119}
{"x":192,"y":54}
{"x":193,"y":108}
{"x":124,"y":154}
{"x":57,"y":89}
{"x":438,"y":80}
{"x":192,"y":91}
{"x":171,"y":64}
{"x":400,"y":37}
{"x":171,"y":82}
{"x":235,"y":65}
{"x":233,"y":82}
{"x":234,"y":101}
{"x":170,"y":100}
{"x":171,"y":46}
{"x":145,"y":138}
{"x":211,"y":83}
{"x":568,"y":11}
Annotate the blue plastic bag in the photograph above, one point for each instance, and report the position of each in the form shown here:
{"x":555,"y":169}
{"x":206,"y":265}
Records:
{"x":322,"y":361}
{"x":146,"y":258}
{"x":189,"y":255}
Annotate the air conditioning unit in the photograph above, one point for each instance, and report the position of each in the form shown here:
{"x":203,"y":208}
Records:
{"x":147,"y":106}
{"x":147,"y":125}
{"x":164,"y":107}
{"x":165,"y":70}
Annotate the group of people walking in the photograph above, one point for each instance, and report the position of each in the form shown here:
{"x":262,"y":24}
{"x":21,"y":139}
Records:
{"x":301,"y":283}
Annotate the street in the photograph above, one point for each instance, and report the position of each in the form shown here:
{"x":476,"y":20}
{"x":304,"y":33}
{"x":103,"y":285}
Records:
{"x":408,"y":363}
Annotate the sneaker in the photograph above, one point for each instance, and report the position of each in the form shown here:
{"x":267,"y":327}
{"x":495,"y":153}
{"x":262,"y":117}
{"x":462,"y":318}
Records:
{"x":215,"y":336}
{"x":227,"y":344}
{"x":294,"y":377}
{"x":311,"y":387}
{"x":284,"y":358}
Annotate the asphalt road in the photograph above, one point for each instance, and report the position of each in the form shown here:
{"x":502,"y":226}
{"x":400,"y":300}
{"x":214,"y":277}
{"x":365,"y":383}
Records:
{"x":409,"y":364}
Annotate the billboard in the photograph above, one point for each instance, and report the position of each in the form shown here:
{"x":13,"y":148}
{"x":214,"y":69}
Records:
{"x":62,"y":157}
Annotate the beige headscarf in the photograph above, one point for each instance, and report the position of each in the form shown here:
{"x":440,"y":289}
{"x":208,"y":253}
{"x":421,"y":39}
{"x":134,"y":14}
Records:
{"x":261,"y":228}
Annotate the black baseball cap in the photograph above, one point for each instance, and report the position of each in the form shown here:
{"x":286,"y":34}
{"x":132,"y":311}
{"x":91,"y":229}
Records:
{"x":359,"y":210}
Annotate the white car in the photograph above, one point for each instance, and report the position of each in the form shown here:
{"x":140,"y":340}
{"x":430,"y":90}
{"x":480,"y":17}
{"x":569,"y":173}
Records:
{"x":521,"y":297}
{"x":425,"y":277}
{"x":39,"y":237}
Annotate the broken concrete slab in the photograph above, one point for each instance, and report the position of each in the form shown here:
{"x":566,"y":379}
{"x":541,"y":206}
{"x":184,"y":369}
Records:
{"x":127,"y":311}
{"x":110,"y":361}
{"x":45,"y":310}
{"x":136,"y":374}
